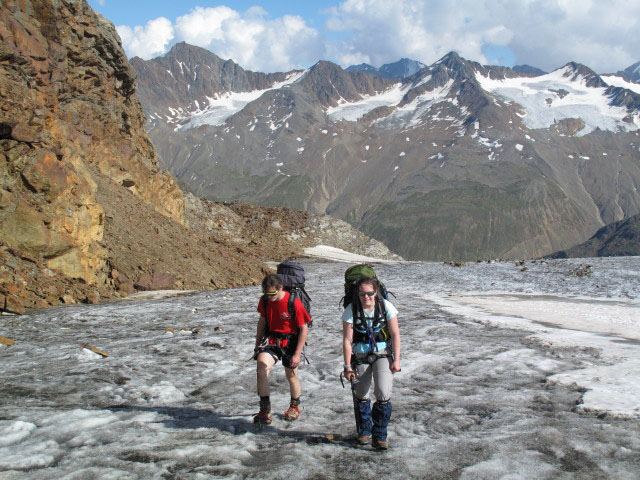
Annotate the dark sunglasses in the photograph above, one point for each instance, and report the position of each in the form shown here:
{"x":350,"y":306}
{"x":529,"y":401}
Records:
{"x":368,"y":294}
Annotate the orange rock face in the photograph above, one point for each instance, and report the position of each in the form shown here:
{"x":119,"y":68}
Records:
{"x":68,"y":110}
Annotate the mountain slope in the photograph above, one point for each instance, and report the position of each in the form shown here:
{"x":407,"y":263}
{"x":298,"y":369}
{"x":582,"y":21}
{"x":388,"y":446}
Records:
{"x":617,"y":239}
{"x":458,"y":161}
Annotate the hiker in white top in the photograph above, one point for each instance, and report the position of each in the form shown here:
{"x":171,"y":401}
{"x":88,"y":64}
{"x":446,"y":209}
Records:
{"x":371,"y":350}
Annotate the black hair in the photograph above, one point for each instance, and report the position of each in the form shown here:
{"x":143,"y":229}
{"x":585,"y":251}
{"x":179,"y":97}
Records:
{"x":271,"y":280}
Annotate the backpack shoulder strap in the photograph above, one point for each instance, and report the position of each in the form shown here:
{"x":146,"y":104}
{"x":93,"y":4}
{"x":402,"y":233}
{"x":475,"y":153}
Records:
{"x":265,"y":304}
{"x":292,"y":299}
{"x":380,"y":315}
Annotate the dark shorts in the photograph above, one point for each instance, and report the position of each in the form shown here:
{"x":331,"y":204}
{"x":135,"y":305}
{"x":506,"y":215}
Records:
{"x":279,"y":353}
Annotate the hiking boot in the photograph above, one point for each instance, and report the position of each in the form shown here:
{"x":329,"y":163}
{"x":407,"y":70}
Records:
{"x":263,"y":417}
{"x":291,"y":414}
{"x":379,"y":444}
{"x":364,"y":439}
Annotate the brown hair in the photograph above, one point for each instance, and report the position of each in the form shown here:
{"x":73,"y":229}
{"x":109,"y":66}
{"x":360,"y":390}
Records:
{"x":271,"y":280}
{"x":371,"y":280}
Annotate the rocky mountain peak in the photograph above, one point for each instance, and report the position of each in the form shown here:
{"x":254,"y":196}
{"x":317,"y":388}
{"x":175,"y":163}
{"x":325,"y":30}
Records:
{"x":632,"y":72}
{"x":403,"y":68}
{"x":575,"y":71}
{"x":330,"y":83}
{"x":455,"y":67}
{"x":190,"y":79}
{"x":363,"y":67}
{"x":528,"y":70}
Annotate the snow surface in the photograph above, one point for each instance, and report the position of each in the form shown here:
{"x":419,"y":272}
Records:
{"x":616,"y":81}
{"x":534,"y":94}
{"x":222,"y":106}
{"x":339,"y":255}
{"x":506,"y":374}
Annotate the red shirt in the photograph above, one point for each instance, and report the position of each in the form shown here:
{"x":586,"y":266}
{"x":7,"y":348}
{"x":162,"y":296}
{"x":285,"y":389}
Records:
{"x":278,"y":318}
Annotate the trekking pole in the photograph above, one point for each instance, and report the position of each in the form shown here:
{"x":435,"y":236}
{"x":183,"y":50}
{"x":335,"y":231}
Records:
{"x":356,"y":410}
{"x":254,"y":356}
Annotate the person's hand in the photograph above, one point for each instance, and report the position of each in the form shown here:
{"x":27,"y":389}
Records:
{"x":349,"y":375}
{"x":395,"y":365}
{"x":295,"y":361}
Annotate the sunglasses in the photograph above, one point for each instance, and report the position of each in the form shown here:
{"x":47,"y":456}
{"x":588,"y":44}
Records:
{"x":368,"y":294}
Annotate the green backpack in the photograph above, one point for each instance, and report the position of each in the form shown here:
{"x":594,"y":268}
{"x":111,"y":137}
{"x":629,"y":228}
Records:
{"x":351,"y":277}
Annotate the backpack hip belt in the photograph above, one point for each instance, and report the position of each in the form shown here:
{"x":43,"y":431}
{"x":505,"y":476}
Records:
{"x":370,"y":358}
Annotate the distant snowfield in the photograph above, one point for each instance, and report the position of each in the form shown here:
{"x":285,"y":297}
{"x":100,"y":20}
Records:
{"x":352,"y":111}
{"x":339,"y":255}
{"x":221,"y":107}
{"x":617,"y":81}
{"x":409,"y":115}
{"x":545,"y":103}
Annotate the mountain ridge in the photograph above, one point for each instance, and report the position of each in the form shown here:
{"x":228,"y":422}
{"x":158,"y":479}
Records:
{"x":402,"y":68}
{"x":451,"y":149}
{"x":620,"y":238}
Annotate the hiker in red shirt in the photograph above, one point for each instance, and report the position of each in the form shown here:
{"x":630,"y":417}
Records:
{"x":279,"y":336}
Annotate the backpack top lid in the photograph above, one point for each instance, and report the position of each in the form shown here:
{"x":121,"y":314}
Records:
{"x":351,"y":277}
{"x":291,"y":273}
{"x":293,"y":278}
{"x":356,"y":272}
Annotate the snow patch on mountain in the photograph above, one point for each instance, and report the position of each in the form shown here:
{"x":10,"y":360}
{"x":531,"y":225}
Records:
{"x":353,"y":111}
{"x":549,"y":98}
{"x":223,"y":105}
{"x":616,"y":81}
{"x":411,"y":114}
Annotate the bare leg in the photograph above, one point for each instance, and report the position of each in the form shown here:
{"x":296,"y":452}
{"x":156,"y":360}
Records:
{"x":294,"y":382}
{"x":264,"y":365}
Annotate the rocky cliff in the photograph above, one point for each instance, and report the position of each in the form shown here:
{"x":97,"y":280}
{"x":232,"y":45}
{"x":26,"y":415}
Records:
{"x":69,"y":110}
{"x":85,"y":211}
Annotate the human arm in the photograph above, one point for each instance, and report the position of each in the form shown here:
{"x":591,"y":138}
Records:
{"x":347,"y":339}
{"x":394,"y":331}
{"x":303,"y":331}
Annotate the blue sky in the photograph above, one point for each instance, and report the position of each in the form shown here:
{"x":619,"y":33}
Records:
{"x":272,"y":35}
{"x":132,"y":12}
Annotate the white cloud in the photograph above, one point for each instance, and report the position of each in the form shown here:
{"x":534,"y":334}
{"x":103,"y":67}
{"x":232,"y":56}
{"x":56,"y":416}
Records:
{"x":543,"y":33}
{"x":148,"y":41}
{"x":249,"y":38}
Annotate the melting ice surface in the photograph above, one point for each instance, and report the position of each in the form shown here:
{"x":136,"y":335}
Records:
{"x":549,"y":98}
{"x":505,"y":374}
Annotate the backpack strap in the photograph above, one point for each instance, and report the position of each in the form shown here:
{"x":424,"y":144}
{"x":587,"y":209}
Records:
{"x":292,"y":298}
{"x":265,"y":303}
